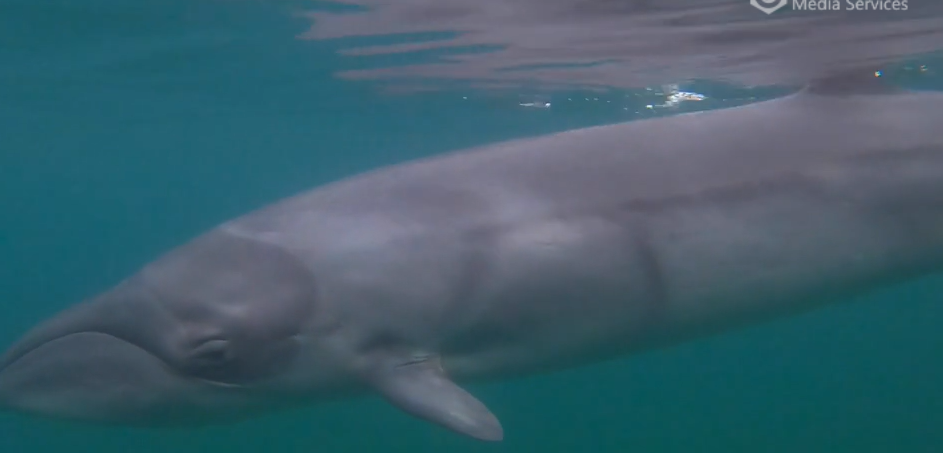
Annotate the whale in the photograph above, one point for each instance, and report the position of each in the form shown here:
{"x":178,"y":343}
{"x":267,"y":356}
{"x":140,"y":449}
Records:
{"x":412,"y":282}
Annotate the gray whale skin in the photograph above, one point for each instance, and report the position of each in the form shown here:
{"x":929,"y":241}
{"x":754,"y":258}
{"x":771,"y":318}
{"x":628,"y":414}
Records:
{"x":512,"y":259}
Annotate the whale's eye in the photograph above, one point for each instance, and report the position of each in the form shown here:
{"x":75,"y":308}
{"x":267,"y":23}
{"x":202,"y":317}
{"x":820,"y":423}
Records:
{"x":242,"y":306}
{"x":212,"y":353}
{"x":239,"y":361}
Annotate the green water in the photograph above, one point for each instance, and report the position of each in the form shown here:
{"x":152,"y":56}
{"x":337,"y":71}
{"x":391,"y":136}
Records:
{"x":128,"y":128}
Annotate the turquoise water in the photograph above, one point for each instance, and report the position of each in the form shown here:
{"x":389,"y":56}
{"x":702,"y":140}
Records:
{"x":126,"y":129}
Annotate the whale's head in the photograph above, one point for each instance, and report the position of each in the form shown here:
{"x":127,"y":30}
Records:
{"x":212,"y":331}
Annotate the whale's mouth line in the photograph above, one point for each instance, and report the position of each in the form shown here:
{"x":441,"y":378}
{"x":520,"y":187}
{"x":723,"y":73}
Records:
{"x":20,"y":355}
{"x":14,"y":358}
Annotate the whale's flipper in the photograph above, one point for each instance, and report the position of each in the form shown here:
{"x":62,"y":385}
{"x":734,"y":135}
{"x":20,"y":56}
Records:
{"x":423,"y":390}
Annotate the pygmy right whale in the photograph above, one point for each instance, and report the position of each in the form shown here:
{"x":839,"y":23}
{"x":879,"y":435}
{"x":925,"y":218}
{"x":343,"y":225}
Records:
{"x":512,"y":259}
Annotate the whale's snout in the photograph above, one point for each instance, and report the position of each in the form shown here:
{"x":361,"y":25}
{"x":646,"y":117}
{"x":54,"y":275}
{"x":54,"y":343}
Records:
{"x":150,"y":355}
{"x":102,"y":361}
{"x":87,"y":376}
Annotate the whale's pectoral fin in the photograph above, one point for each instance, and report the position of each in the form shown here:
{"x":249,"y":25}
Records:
{"x":421,"y":389}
